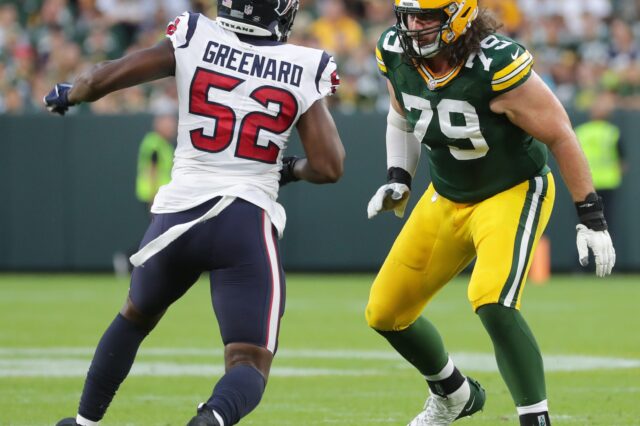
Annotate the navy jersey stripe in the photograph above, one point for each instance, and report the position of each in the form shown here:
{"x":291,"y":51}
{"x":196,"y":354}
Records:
{"x":323,"y":64}
{"x":193,"y":23}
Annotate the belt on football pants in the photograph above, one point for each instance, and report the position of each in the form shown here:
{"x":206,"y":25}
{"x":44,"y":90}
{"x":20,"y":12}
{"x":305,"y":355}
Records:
{"x":172,"y":234}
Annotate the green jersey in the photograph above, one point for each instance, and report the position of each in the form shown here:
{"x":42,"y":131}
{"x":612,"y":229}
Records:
{"x":474,"y":153}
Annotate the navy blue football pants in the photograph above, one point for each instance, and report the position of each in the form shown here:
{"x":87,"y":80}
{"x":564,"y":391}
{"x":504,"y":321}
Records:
{"x":239,"y":249}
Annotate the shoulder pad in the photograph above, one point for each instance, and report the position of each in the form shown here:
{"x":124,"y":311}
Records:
{"x":181,"y":29}
{"x":506,"y":63}
{"x":510,"y":65}
{"x":387,"y":49}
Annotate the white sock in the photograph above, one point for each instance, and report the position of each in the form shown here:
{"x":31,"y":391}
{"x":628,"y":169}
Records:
{"x":446,"y":371}
{"x":540,"y":407}
{"x":85,"y":422}
{"x":462,"y":393}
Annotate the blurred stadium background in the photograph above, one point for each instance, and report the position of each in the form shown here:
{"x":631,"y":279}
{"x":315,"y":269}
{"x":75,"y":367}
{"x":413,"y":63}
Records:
{"x":67,"y":192}
{"x":69,"y":184}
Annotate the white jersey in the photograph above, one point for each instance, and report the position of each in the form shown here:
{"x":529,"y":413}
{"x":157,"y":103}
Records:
{"x":238,"y":103}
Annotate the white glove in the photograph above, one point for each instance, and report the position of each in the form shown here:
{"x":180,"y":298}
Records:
{"x":392,"y":196}
{"x":600,"y":244}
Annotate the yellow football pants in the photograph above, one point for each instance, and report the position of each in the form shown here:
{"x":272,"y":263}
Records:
{"x":442,"y":237}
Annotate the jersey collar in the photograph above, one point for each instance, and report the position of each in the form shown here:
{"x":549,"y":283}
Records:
{"x":436,"y":81}
{"x":258,"y":41}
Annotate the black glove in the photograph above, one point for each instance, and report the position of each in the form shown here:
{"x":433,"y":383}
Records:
{"x":591,"y":212}
{"x":286,"y":173}
{"x":57,"y":101}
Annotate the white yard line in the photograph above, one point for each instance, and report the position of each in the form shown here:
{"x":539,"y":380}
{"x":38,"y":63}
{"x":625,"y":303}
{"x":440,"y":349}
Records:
{"x":77,"y":368}
{"x":74,"y":362}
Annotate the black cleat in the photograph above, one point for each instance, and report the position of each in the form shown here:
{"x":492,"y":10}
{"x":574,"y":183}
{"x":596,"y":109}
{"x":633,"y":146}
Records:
{"x":205,"y":417}
{"x":69,"y":421}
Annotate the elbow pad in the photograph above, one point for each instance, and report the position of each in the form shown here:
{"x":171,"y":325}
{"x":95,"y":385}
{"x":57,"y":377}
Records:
{"x":403,"y":149}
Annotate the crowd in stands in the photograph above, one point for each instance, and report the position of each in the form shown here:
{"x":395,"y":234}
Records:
{"x":581,"y":47}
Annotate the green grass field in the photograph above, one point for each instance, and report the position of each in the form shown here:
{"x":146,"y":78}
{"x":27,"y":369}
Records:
{"x":330,"y":370}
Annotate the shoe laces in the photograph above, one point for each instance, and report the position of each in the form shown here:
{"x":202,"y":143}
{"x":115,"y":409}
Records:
{"x":438,"y":411}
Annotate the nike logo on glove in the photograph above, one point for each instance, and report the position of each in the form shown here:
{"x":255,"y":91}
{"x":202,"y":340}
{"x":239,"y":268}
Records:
{"x":587,"y":205}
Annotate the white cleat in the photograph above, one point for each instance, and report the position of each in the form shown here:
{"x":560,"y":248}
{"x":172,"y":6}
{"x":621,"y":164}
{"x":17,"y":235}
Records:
{"x":442,"y":411}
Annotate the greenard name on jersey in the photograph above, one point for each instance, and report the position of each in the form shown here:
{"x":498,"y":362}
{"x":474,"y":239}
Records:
{"x":474,"y":153}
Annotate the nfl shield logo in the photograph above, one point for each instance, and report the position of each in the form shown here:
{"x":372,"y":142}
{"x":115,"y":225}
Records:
{"x":248,"y":9}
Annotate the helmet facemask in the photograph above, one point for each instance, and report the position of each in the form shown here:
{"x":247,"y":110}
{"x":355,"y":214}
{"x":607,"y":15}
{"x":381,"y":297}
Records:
{"x":410,"y":40}
{"x":285,"y":22}
{"x":455,"y":16}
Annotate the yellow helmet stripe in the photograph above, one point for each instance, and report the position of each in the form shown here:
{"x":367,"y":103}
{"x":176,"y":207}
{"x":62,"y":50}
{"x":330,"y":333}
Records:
{"x":423,"y":4}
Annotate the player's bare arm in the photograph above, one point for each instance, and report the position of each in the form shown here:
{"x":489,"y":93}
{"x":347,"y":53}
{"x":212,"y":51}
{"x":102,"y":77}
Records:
{"x":138,"y":67}
{"x":537,"y":111}
{"x":322,"y":146}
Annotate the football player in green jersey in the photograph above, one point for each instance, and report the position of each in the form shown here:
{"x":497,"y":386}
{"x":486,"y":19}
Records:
{"x":470,"y":95}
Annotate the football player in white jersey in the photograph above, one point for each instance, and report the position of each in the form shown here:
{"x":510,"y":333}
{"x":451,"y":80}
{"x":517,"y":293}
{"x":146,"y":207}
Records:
{"x":241,"y":90}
